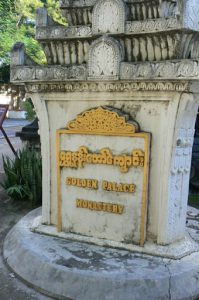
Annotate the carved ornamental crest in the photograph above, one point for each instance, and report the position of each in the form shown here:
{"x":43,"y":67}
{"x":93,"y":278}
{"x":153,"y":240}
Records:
{"x":102,"y":120}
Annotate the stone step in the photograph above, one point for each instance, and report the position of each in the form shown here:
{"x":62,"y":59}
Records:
{"x":93,"y":272}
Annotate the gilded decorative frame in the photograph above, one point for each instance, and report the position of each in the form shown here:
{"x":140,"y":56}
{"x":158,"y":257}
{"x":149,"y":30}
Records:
{"x":130,"y":132}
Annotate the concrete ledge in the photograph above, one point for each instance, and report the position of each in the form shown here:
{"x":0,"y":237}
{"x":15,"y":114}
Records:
{"x":67,"y":269}
{"x":176,"y":250}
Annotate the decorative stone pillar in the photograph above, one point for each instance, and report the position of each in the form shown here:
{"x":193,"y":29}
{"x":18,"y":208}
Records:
{"x":141,"y":62}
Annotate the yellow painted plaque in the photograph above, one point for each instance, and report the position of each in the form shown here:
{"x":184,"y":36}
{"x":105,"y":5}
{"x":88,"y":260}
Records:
{"x":102,"y":172}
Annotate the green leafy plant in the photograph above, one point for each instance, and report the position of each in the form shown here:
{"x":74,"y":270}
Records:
{"x":17,"y":23}
{"x":24,"y":176}
{"x":29,"y":108}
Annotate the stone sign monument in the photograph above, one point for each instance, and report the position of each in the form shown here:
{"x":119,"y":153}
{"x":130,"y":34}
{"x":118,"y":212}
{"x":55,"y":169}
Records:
{"x":103,"y":177}
{"x":117,"y":103}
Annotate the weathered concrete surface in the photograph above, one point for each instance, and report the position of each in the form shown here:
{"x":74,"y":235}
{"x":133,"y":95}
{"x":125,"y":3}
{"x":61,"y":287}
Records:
{"x":77,"y":271}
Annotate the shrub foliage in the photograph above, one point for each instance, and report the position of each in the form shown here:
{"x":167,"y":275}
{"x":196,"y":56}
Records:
{"x":24,"y":176}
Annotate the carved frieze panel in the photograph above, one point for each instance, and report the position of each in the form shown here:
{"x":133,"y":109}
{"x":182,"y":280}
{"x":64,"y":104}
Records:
{"x":152,"y":25}
{"x":28,"y":74}
{"x":76,"y":87}
{"x":105,"y":55}
{"x":169,"y":69}
{"x":62,"y":32}
{"x":108,"y":16}
{"x":99,"y":69}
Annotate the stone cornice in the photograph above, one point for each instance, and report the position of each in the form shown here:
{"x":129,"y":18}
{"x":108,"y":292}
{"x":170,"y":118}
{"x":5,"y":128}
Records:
{"x":121,"y":86}
{"x":62,"y":32}
{"x":152,"y":25}
{"x":167,"y":70}
{"x":131,"y":28}
{"x":116,"y":40}
{"x":174,"y":69}
{"x":48,"y":73}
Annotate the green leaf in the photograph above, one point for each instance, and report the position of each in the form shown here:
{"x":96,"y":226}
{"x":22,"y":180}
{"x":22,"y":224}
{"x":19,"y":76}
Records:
{"x":24,"y":176}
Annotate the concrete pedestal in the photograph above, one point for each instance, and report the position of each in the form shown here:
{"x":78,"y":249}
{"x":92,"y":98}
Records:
{"x":122,"y":68}
{"x":169,"y":115}
{"x":140,"y":59}
{"x":73,"y":270}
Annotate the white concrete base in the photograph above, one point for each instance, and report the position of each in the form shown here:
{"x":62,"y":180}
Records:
{"x":67,"y":269}
{"x":174,"y":251}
